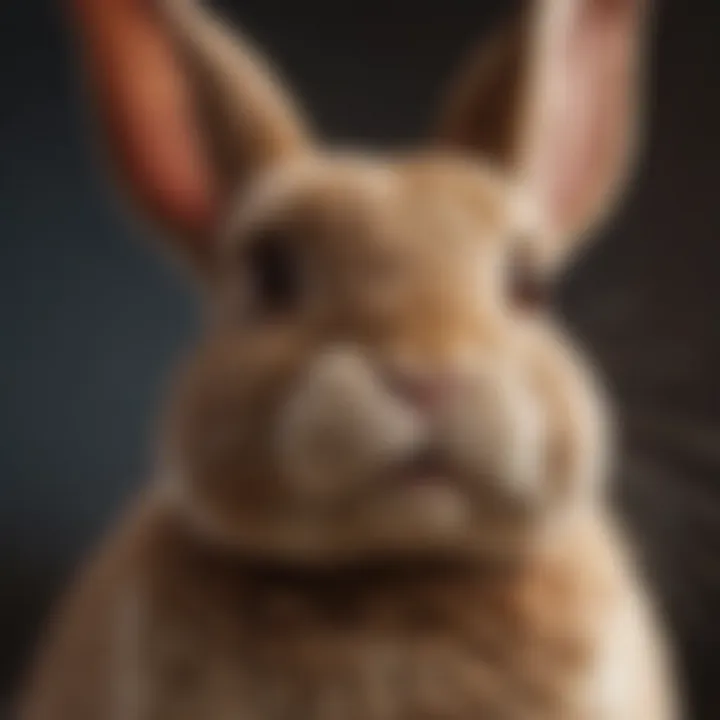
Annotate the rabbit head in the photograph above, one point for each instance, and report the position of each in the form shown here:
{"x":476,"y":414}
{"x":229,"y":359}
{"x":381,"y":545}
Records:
{"x":379,"y":373}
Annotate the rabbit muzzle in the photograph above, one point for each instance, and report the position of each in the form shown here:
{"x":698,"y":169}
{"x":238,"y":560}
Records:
{"x":355,"y":432}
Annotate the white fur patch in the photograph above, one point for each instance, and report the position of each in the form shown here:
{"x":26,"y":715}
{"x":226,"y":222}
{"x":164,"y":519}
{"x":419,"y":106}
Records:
{"x":341,"y":423}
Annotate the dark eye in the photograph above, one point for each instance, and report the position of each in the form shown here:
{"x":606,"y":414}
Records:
{"x":273,"y":273}
{"x":529,"y":288}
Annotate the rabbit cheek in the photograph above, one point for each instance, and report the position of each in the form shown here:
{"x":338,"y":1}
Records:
{"x":221,"y":419}
{"x":340,"y":428}
{"x":580,"y":441}
{"x":493,"y":431}
{"x":221,"y":450}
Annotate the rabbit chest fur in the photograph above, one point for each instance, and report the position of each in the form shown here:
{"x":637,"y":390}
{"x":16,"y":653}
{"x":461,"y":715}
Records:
{"x":175,"y":630}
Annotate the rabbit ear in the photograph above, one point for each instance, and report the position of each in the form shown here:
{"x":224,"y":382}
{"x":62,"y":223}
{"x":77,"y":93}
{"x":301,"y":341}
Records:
{"x":190,"y":111}
{"x":482,"y":110}
{"x":556,"y":99}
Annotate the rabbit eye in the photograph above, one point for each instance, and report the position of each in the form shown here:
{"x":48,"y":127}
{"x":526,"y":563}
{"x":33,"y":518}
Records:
{"x":529,"y":288}
{"x":273,"y":273}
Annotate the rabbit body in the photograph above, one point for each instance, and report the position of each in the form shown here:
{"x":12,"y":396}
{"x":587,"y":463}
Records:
{"x":382,"y":471}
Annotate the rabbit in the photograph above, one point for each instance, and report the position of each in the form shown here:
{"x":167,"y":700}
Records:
{"x":381,"y":478}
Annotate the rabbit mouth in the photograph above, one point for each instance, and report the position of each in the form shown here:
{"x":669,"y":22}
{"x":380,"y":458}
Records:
{"x":424,"y":471}
{"x":426,"y":467}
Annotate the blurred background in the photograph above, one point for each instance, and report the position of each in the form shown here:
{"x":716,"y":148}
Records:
{"x":91,"y":321}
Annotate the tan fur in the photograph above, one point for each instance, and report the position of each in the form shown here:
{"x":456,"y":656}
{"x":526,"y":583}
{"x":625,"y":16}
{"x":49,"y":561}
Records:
{"x":219,"y":637}
{"x":297,"y":555}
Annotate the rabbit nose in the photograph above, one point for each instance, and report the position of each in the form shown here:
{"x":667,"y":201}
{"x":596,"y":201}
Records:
{"x":424,"y":390}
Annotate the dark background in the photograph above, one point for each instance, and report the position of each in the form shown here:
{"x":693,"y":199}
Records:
{"x":90,"y":321}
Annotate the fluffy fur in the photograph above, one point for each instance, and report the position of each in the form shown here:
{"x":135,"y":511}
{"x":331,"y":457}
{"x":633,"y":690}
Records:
{"x":383,"y":497}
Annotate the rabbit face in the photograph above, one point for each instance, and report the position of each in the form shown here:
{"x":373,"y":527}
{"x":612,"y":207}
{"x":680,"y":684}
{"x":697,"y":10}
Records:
{"x":379,"y":375}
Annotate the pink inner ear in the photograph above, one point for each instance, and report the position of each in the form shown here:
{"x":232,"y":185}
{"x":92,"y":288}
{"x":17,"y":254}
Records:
{"x":582,"y":124}
{"x":146,"y":108}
